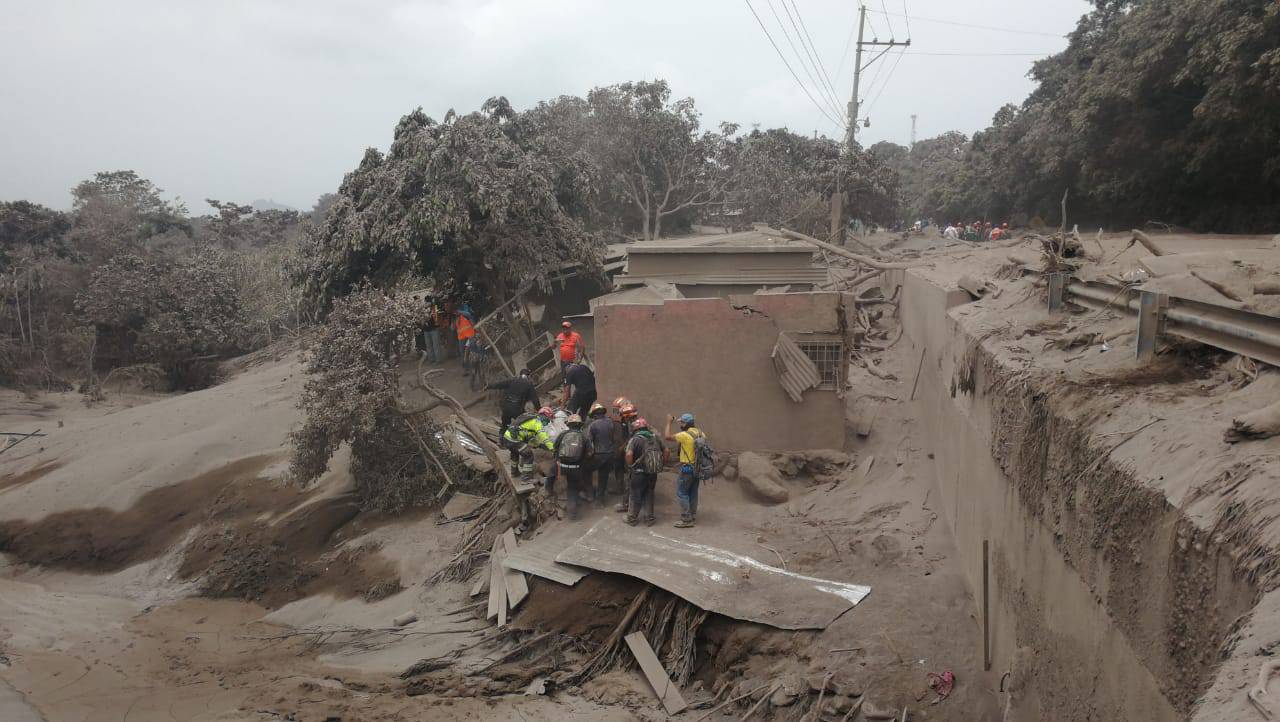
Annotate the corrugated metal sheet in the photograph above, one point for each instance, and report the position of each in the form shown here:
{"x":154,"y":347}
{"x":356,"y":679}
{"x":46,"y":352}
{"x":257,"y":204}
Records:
{"x":796,"y":372}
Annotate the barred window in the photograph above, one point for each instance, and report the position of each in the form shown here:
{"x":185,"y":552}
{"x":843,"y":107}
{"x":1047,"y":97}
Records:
{"x":828,"y":356}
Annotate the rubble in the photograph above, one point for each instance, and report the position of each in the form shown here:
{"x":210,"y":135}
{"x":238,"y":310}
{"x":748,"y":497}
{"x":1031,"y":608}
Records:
{"x":759,"y":477}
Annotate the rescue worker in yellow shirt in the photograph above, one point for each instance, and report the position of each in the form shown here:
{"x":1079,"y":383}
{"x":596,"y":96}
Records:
{"x":524,"y":435}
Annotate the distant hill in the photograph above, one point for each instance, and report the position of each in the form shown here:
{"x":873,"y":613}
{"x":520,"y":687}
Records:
{"x":266,"y":204}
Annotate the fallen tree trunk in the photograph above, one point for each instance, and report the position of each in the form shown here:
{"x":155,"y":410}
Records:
{"x":490,"y":450}
{"x":864,"y":260}
{"x":1149,"y":244}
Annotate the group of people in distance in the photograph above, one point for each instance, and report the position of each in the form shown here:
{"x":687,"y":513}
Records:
{"x":452,"y":320}
{"x":599,"y":443}
{"x":976,"y":231}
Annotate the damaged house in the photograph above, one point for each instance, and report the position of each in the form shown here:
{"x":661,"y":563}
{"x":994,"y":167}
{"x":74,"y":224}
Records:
{"x":706,"y":326}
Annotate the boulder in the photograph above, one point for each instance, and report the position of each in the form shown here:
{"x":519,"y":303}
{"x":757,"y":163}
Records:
{"x":759,"y":477}
{"x":731,"y":470}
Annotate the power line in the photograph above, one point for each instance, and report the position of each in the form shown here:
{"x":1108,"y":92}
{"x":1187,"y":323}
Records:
{"x":816,"y":55}
{"x":822,"y":91}
{"x":958,"y":24}
{"x":845,"y":54}
{"x":908,"y":17}
{"x":887,"y":78}
{"x":1042,"y":54}
{"x":793,"y":72}
{"x":886,"y":19}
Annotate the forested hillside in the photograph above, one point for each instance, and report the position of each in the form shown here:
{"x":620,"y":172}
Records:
{"x":1164,"y":110}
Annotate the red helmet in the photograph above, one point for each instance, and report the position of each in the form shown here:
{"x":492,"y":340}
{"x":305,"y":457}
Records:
{"x":627,"y":410}
{"x":639,"y":424}
{"x":546,"y":412}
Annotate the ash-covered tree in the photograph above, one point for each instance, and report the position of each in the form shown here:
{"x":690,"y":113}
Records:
{"x":474,"y":200}
{"x":119,"y":211}
{"x":787,"y":179}
{"x":652,"y":153}
{"x":1154,"y":111}
{"x":228,"y":227}
{"x":181,"y":315}
{"x":353,"y":396}
{"x":30,"y":225}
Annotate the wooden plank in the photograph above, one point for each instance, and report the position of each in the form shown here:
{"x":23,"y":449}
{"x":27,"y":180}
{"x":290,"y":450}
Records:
{"x":662,"y":685}
{"x":541,"y":562}
{"x":517,"y":587}
{"x":497,"y":587}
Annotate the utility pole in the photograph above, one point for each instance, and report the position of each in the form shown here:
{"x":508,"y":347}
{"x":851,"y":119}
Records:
{"x":913,"y":130}
{"x":851,"y":135}
{"x":854,"y":102}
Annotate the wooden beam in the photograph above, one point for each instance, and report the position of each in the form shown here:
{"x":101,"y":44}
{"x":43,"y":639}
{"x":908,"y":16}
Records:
{"x":497,"y":587}
{"x":517,"y":587}
{"x":655,"y":673}
{"x":864,"y":260}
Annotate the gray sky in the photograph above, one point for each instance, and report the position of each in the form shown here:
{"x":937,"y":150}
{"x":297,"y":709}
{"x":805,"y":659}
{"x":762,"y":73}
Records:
{"x":278,"y":98}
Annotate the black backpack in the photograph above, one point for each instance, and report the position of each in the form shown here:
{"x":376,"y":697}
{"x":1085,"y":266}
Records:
{"x":573,"y":447}
{"x":651,"y":460}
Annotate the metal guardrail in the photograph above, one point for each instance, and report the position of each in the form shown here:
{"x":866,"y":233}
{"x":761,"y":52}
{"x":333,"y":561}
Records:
{"x":1244,"y":332}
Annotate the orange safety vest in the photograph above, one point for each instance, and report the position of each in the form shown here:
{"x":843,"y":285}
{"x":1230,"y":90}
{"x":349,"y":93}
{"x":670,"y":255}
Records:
{"x":465,"y":328}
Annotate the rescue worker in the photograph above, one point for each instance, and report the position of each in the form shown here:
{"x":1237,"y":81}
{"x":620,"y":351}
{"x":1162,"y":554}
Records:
{"x":466,"y":330}
{"x":606,"y":441}
{"x":523,"y":436}
{"x":582,"y":380}
{"x":627,"y":416}
{"x":645,"y":457}
{"x":572,"y":450}
{"x":569,"y":344}
{"x":517,"y":391}
{"x":687,"y":481}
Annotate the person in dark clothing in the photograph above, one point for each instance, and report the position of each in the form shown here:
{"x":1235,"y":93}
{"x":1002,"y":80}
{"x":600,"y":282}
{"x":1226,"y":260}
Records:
{"x":582,"y":380}
{"x":517,"y":392}
{"x":572,"y":451}
{"x":643,"y":480}
{"x":627,"y":416}
{"x":606,"y":438}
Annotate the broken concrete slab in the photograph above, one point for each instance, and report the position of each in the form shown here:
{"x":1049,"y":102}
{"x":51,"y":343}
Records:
{"x":761,"y":478}
{"x":717,"y":580}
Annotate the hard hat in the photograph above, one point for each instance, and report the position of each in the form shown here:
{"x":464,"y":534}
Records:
{"x":621,"y":401}
{"x":596,"y":408}
{"x":627,"y":410}
{"x":566,"y":324}
{"x":639,"y":424}
{"x":574,"y":420}
{"x":686,"y":419}
{"x":546,"y":411}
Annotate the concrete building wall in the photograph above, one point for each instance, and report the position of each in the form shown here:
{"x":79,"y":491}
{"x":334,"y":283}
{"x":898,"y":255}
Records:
{"x":711,"y":357}
{"x":674,"y":262}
